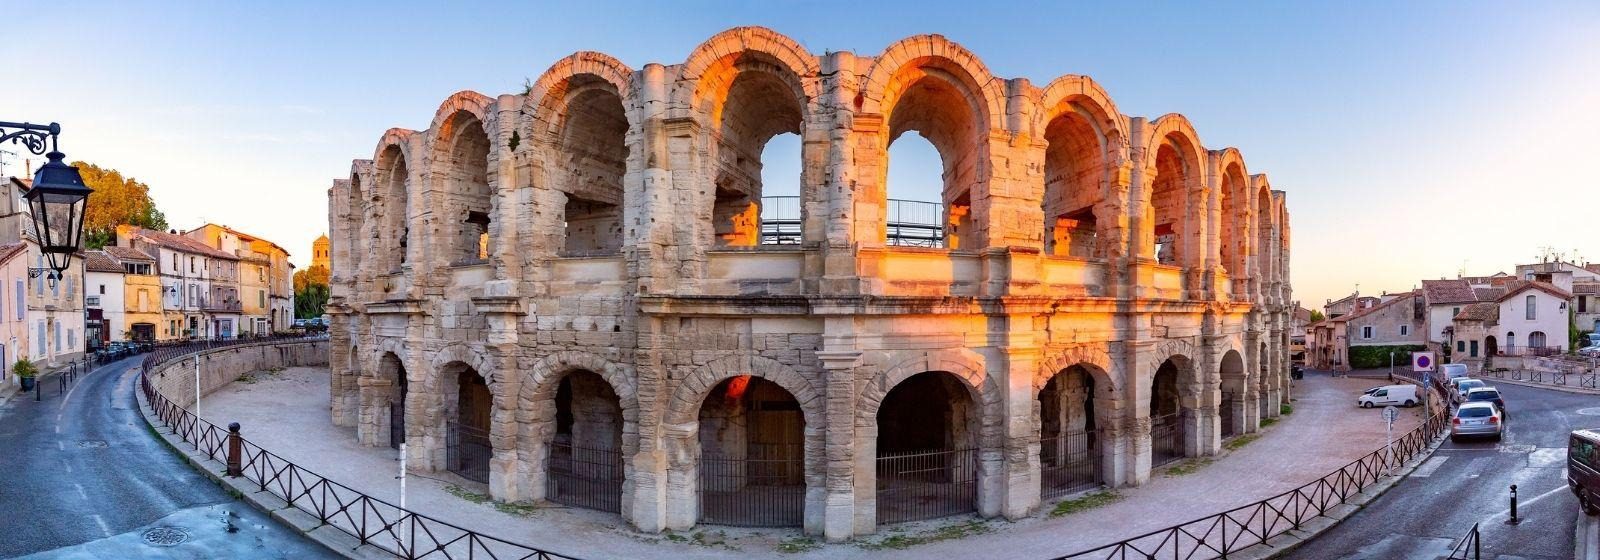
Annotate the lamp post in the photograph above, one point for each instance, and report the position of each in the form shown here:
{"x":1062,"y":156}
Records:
{"x":56,"y":199}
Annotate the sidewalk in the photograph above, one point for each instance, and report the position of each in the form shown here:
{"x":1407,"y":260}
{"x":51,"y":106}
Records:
{"x":287,"y":412}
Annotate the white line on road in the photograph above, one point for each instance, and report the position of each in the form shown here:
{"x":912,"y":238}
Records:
{"x":74,"y":388}
{"x":81,"y":492}
{"x":1523,"y":504}
{"x":68,"y":466}
{"x":103,"y":528}
{"x":1427,"y":468}
{"x":61,"y":445}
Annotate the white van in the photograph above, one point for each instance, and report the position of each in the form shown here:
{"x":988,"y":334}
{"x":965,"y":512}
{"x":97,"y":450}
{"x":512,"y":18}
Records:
{"x":1453,"y":371}
{"x":1402,"y":395}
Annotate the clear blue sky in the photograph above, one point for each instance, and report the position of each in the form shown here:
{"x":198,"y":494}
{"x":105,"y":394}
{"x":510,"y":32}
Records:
{"x":1412,"y":139}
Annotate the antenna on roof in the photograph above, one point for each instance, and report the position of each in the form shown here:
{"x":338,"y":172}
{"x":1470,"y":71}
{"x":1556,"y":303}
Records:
{"x":3,"y":154}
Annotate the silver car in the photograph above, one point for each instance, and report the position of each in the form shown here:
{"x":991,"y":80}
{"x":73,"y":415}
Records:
{"x":1477,"y":419}
{"x":1464,"y":386}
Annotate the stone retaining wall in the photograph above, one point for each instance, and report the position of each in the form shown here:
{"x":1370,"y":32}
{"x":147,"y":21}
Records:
{"x":221,"y":366}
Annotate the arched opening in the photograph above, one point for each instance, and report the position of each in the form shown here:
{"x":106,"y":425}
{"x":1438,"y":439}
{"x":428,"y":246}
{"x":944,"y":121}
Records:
{"x":759,"y":103}
{"x":783,"y":208}
{"x":1069,"y":433}
{"x":1511,"y":343}
{"x":467,"y":447}
{"x":927,"y":463}
{"x":1232,"y":248}
{"x":1169,"y":204}
{"x":353,"y":249}
{"x":1235,"y":388}
{"x":1490,"y":347}
{"x":1536,"y":340}
{"x":1264,"y":234}
{"x":1264,"y":383}
{"x":1074,"y":183}
{"x":465,"y":174}
{"x":752,"y":455}
{"x":935,"y":103}
{"x":1169,"y":422}
{"x":584,"y":466}
{"x":396,"y":225}
{"x":592,"y":161}
{"x":391,"y":370}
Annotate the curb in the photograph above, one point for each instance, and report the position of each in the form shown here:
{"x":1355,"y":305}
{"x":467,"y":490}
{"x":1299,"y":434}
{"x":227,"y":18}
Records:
{"x":1587,"y":537}
{"x":330,"y":537}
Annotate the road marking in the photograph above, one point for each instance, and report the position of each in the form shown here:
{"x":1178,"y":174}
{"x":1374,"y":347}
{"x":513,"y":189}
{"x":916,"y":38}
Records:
{"x":68,"y":466}
{"x":74,"y":389}
{"x":58,"y":428}
{"x":103,"y":528}
{"x":81,"y":492}
{"x":1523,"y":504}
{"x":61,"y":445}
{"x":1427,"y":467}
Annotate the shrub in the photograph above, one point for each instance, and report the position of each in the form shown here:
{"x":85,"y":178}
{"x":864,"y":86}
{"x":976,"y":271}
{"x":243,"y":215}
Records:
{"x":24,"y":368}
{"x":1367,"y":357}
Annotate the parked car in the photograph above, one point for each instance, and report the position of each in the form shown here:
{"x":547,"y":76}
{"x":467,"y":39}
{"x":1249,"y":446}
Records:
{"x":1477,"y":419}
{"x":299,"y":323}
{"x":1454,"y":371}
{"x":1488,"y":394}
{"x":1589,"y":351}
{"x":1403,"y":395}
{"x":1583,"y":469}
{"x":1468,"y":384}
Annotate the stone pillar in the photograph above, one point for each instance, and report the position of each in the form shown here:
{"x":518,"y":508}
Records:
{"x":503,"y":312}
{"x":838,"y":514}
{"x":1020,"y":483}
{"x":1206,"y":436}
{"x":1133,"y":458}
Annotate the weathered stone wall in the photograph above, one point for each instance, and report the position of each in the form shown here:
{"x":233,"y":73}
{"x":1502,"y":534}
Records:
{"x":623,"y":242}
{"x":222,"y":366}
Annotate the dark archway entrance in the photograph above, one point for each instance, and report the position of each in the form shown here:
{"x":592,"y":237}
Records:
{"x":585,"y":460}
{"x":467,"y":449}
{"x":1235,"y":385}
{"x":1069,"y":434}
{"x":752,"y":455}
{"x":1166,"y":416}
{"x":927,"y":464}
{"x":389,"y":367}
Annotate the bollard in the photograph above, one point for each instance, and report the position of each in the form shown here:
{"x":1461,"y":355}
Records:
{"x":1514,"y":519}
{"x":235,"y":465}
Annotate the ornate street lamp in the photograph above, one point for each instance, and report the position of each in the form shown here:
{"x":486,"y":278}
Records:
{"x":56,"y":199}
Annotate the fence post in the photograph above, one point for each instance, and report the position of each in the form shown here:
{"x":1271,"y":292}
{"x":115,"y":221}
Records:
{"x":235,"y":464}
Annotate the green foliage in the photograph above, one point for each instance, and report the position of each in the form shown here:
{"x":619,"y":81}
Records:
{"x":466,"y":494}
{"x":1084,"y":503}
{"x":1367,"y":357}
{"x":116,"y":200}
{"x":1317,"y":316}
{"x":797,"y":545}
{"x":24,"y":368}
{"x":1189,"y":466}
{"x":1285,"y":410}
{"x":1268,"y":422}
{"x":947,"y":532}
{"x":1241,"y":441}
{"x":1572,"y":330}
{"x":310,"y":292}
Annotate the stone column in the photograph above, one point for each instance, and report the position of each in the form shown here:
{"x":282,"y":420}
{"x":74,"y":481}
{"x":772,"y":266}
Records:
{"x":1133,"y":458}
{"x":837,"y":512}
{"x":1020,"y":484}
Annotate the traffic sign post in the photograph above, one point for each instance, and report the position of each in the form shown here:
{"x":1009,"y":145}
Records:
{"x":1390,"y":414}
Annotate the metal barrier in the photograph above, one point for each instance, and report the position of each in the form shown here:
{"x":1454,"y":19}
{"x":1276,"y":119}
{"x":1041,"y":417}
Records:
{"x":1245,"y":526}
{"x":920,"y":485}
{"x":1166,"y":445}
{"x":371,"y":521}
{"x":1069,"y":463}
{"x":1469,"y":547}
{"x":467,"y":451}
{"x":584,"y":477}
{"x":767,"y":488}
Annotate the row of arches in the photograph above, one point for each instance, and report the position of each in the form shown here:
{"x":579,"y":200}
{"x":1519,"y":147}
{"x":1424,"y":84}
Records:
{"x":745,"y":436}
{"x":585,"y":126}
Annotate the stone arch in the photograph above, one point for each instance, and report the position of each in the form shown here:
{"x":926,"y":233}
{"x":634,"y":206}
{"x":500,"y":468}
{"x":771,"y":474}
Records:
{"x":394,"y":163}
{"x":681,"y":423}
{"x":546,"y":98}
{"x":1236,"y":393}
{"x":750,"y":85}
{"x":440,"y":398}
{"x":1085,"y":144}
{"x":472,"y":357}
{"x":1234,"y":246}
{"x":934,"y":86}
{"x":523,"y":464}
{"x":347,"y":262}
{"x":1175,"y":199}
{"x":462,"y":177}
{"x":1077,"y":440}
{"x":1265,"y":221}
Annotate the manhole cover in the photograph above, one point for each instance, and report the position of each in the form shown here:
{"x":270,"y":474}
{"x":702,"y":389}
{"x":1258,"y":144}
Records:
{"x":165,"y":536}
{"x":91,"y":443}
{"x":1591,"y":411}
{"x":1516,"y":448}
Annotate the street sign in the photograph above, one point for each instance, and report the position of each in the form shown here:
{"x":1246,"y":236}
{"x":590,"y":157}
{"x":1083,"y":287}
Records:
{"x":1390,"y":414}
{"x":1422,"y":361}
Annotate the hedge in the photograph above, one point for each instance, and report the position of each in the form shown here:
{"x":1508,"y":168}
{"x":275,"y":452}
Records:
{"x":1366,"y":357}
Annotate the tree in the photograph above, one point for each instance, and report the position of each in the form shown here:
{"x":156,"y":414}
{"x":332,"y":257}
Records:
{"x":116,"y":200}
{"x":1316,"y":316}
{"x":310,"y":292}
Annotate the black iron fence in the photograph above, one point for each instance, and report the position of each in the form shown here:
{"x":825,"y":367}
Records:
{"x":1232,"y":531}
{"x":1069,"y":463}
{"x":910,"y":223}
{"x":765,"y":488}
{"x":370,"y":520}
{"x":583,"y":476}
{"x":919,"y":485}
{"x":1586,"y":379}
{"x":1469,"y":547}
{"x":467,"y":451}
{"x":1166,"y":439}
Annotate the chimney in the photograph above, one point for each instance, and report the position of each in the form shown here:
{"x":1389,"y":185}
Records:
{"x":28,"y":164}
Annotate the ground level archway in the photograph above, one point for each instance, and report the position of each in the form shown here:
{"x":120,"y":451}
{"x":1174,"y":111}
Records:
{"x":584,"y":466}
{"x":927,"y":449}
{"x":1071,"y":441}
{"x":752,"y":455}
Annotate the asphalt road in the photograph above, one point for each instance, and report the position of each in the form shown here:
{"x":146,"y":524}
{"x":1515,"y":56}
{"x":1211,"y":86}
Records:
{"x":83,"y":471}
{"x":1469,"y":482}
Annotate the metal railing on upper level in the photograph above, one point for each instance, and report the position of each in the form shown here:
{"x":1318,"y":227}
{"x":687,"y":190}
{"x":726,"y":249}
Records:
{"x":372,"y":521}
{"x":911,"y":223}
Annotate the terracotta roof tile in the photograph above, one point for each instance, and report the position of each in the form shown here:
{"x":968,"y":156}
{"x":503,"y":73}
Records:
{"x":99,"y":261}
{"x":1525,"y":285}
{"x":1487,"y":312}
{"x":1448,"y":291}
{"x":128,"y":254}
{"x":181,"y":243}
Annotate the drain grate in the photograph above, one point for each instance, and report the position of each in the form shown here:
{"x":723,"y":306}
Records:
{"x":91,"y":443}
{"x":165,"y":536}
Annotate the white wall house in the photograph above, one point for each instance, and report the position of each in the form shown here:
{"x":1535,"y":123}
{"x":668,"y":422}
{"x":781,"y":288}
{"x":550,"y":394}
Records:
{"x":1533,"y":315}
{"x":104,"y":293}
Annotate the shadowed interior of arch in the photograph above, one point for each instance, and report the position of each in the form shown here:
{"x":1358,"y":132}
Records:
{"x":391,"y":370}
{"x":752,"y":455}
{"x":468,"y":404}
{"x":1235,"y":387}
{"x":467,"y":205}
{"x":927,"y":463}
{"x":1069,"y":433}
{"x":758,"y":104}
{"x":1169,"y":417}
{"x":1074,"y":183}
{"x":933,"y":104}
{"x":584,"y":464}
{"x":1168,"y":201}
{"x":396,"y":226}
{"x":591,"y":161}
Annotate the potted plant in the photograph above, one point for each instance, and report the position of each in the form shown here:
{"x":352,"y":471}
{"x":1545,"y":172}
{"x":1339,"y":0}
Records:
{"x":25,"y":371}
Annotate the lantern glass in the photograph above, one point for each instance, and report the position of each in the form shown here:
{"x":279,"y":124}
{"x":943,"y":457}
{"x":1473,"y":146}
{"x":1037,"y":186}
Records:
{"x":56,"y":201}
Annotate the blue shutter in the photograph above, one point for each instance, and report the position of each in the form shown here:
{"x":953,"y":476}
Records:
{"x":21,"y":302}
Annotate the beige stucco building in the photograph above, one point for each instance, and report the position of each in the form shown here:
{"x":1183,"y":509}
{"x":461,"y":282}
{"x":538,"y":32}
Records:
{"x":1095,"y":294}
